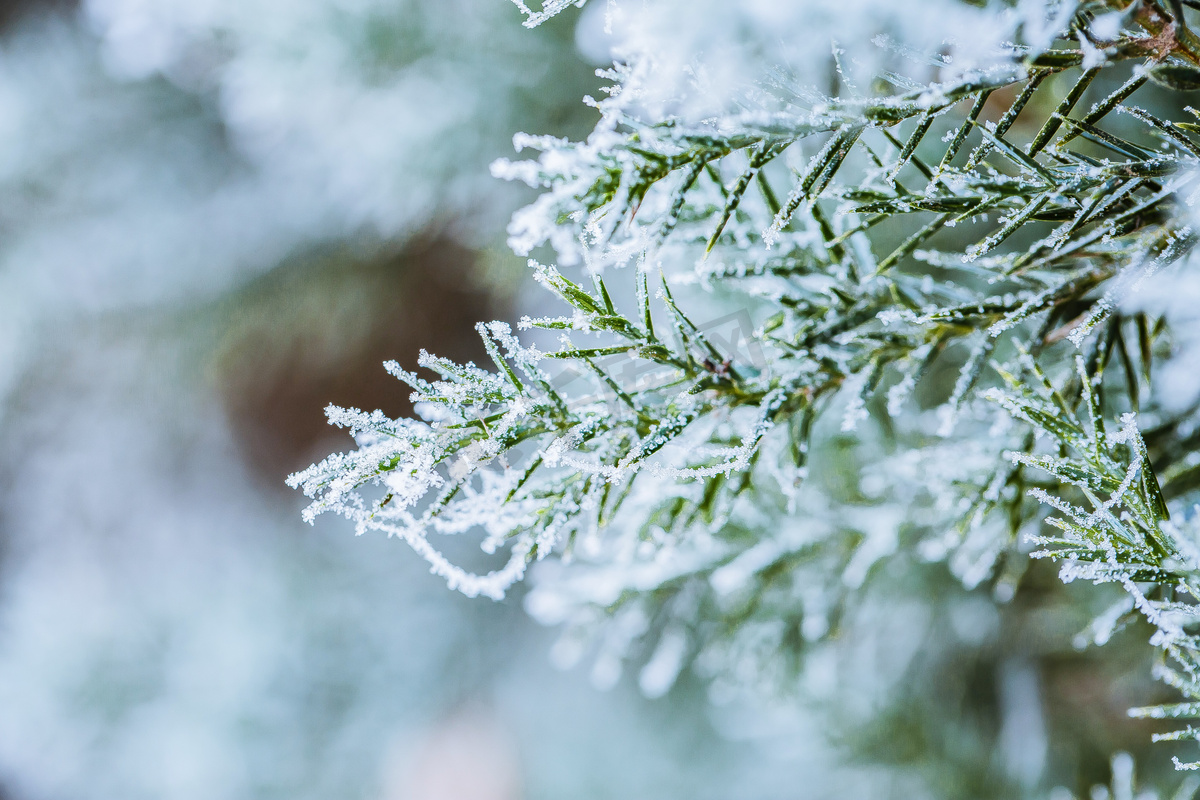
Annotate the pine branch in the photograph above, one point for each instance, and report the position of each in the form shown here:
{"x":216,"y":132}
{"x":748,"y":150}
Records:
{"x":820,"y":255}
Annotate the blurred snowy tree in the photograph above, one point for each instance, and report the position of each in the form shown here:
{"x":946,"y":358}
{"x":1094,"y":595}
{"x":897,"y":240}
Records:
{"x":161,"y":154}
{"x":858,"y":290}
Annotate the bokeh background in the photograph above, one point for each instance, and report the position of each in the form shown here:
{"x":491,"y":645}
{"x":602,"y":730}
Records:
{"x":216,"y":217}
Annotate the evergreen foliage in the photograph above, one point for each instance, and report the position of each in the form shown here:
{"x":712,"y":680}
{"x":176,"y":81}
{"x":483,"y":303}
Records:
{"x":941,"y":274}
